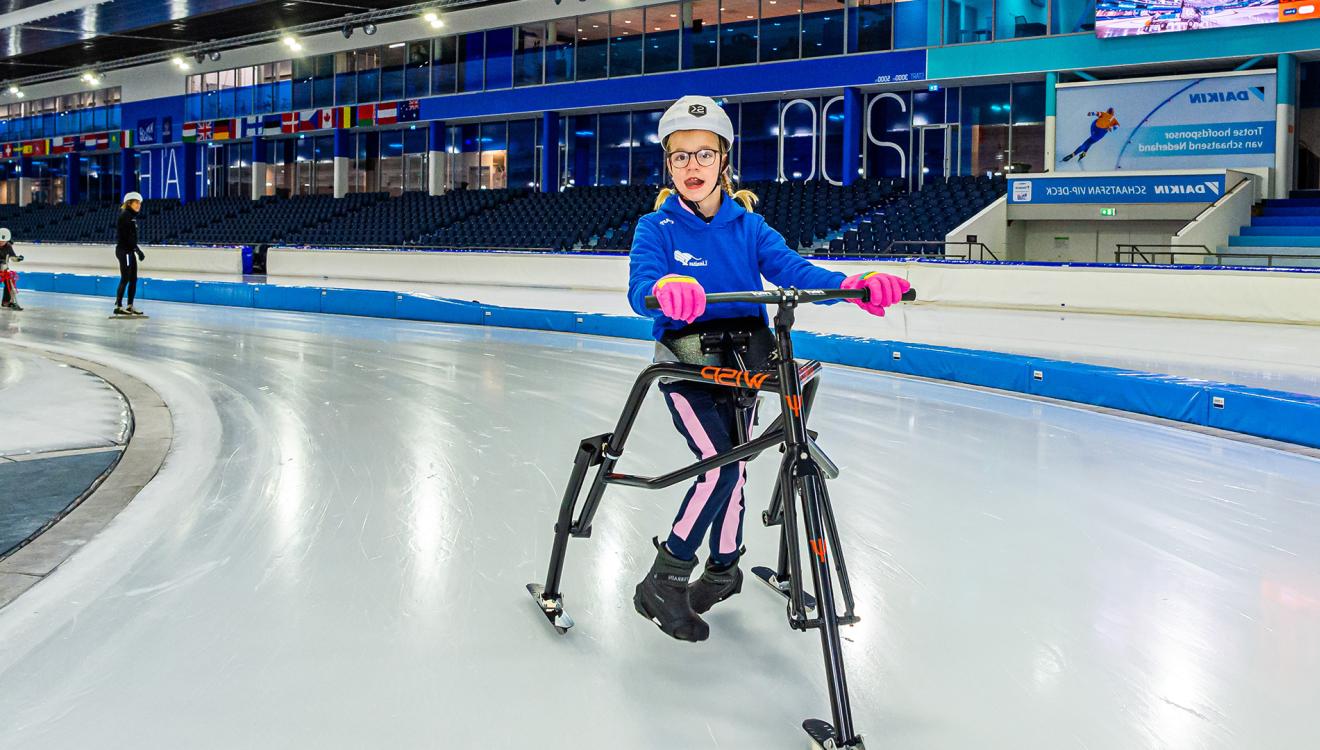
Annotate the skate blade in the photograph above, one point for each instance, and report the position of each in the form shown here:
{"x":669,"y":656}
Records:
{"x":553,"y":609}
{"x":771,"y":579}
{"x":823,"y":736}
{"x":130,"y":317}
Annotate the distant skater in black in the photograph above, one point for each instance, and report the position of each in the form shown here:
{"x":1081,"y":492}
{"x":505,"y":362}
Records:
{"x":128,"y":253}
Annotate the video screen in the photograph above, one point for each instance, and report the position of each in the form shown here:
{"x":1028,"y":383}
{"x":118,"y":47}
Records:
{"x":1114,"y":18}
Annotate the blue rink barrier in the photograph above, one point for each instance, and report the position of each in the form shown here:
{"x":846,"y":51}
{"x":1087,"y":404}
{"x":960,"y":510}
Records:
{"x":1276,"y":415}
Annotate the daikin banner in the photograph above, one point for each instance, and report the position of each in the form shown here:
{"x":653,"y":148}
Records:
{"x":1211,"y":122}
{"x":1111,"y":189}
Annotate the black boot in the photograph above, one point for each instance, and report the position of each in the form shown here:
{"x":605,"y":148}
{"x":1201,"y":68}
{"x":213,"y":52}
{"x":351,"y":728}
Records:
{"x":715,"y":585}
{"x":662,"y":597}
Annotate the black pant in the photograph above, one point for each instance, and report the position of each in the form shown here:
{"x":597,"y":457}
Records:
{"x":127,"y":276}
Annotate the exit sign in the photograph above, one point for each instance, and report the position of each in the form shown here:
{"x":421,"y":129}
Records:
{"x":1109,"y":212}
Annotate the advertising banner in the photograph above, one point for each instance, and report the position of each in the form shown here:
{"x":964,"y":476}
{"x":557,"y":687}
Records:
{"x":1114,"y":189}
{"x":1140,"y":17}
{"x":1211,"y":122}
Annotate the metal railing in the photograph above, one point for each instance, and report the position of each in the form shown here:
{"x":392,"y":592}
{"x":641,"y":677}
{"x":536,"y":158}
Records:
{"x":1153,"y":255}
{"x":982,"y":250}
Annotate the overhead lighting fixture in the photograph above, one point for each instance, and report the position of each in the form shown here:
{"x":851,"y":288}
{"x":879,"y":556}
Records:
{"x":368,"y":28}
{"x":13,"y":90}
{"x":214,"y":55}
{"x":292,"y":42}
{"x":180,"y":63}
{"x":434,"y":19}
{"x":347,"y":31}
{"x":200,"y":57}
{"x":397,"y":45}
{"x":90,"y":78}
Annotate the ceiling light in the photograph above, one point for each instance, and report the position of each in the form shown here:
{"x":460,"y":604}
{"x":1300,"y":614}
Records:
{"x":180,"y":63}
{"x":13,"y":90}
{"x":368,"y":28}
{"x":214,"y":55}
{"x":396,"y":45}
{"x":292,"y":42}
{"x":347,"y":31}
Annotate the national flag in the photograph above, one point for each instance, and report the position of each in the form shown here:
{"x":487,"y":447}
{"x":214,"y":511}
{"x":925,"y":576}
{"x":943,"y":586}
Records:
{"x":63,"y":144}
{"x":36,"y":148}
{"x":366,"y":115}
{"x":205,"y":131}
{"x":7,"y":151}
{"x":345,"y":117}
{"x":189,"y":132}
{"x":117,"y":138}
{"x":309,"y":119}
{"x":270,"y":124}
{"x":326,"y":119}
{"x":387,"y":113}
{"x":96,"y":141}
{"x":410,"y":110}
{"x":289,"y":122}
{"x":222,"y":130}
{"x":252,"y":126}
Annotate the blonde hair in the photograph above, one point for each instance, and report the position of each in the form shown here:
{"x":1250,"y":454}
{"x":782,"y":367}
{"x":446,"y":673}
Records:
{"x":747,"y":198}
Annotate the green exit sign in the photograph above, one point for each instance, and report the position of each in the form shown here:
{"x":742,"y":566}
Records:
{"x":1109,"y":212}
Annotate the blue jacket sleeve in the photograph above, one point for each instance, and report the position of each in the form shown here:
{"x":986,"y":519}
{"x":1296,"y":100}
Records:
{"x":647,"y":262}
{"x":783,"y":267}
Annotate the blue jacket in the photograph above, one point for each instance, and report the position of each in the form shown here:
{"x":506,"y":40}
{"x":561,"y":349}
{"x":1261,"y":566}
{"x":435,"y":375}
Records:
{"x":730,"y":254}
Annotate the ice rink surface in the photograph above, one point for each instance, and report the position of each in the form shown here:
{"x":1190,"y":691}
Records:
{"x":49,"y":406}
{"x":335,"y":551}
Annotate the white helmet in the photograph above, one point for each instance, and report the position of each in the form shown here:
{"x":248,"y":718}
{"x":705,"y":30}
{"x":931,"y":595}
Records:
{"x":133,"y":196}
{"x":697,"y":113}
{"x":5,"y":236}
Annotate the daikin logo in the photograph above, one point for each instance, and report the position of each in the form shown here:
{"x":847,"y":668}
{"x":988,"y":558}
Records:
{"x":1223,"y":97}
{"x":1209,"y":187}
{"x":688,"y":259}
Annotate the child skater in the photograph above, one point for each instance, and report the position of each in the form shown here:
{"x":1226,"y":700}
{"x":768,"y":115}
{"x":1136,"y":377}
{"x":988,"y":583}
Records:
{"x":703,"y":237}
{"x":8,"y":279}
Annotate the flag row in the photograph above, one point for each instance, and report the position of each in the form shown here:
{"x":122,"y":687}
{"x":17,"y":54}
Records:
{"x":303,"y":121}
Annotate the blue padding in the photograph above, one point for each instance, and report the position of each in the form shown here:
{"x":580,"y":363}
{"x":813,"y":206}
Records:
{"x":518,"y":317}
{"x":247,"y":259}
{"x":233,"y":294}
{"x":108,"y":286}
{"x":844,"y":350}
{"x":1290,"y":417}
{"x":436,"y":310}
{"x":1166,"y":396}
{"x":37,"y":281}
{"x":72,"y":283}
{"x":167,"y":290}
{"x":297,"y":298}
{"x":618,"y":326}
{"x":370,"y":303}
{"x":990,"y":369}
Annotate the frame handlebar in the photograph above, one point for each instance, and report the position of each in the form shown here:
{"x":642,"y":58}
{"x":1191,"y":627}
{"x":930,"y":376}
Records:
{"x":782,"y":296}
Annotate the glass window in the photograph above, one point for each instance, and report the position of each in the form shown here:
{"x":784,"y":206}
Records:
{"x":581,"y":141}
{"x":304,"y":70}
{"x":1072,"y":16}
{"x":780,"y":24}
{"x":759,"y":138}
{"x":822,"y":28}
{"x":529,"y":55}
{"x":560,"y":45}
{"x":647,"y":154}
{"x":985,"y":116}
{"x":284,"y":87}
{"x":1019,"y":18}
{"x":414,"y":159}
{"x":870,"y":25}
{"x":416,"y":80}
{"x":916,"y":24}
{"x":494,"y":156}
{"x":662,"y":24}
{"x":324,"y":149}
{"x":615,"y":144}
{"x":626,"y":42}
{"x":367,"y":64}
{"x":394,"y":59}
{"x":593,"y":46}
{"x":499,"y":58}
{"x":391,"y":163}
{"x":738,"y":31}
{"x":444,"y":65}
{"x":345,"y":80}
{"x":700,"y":33}
{"x":967,"y":21}
{"x":324,"y":81}
{"x":522,"y":153}
{"x":471,"y":61}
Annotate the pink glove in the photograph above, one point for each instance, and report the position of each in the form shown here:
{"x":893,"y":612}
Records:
{"x":680,"y":297}
{"x":885,"y":290}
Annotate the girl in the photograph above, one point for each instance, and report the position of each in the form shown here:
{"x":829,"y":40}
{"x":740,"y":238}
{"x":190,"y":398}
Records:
{"x":128,"y":253}
{"x":704,"y":237}
{"x":8,"y":279}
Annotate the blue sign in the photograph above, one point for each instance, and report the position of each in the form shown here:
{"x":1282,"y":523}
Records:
{"x":1211,"y":122}
{"x":1174,"y":188}
{"x":146,"y":132}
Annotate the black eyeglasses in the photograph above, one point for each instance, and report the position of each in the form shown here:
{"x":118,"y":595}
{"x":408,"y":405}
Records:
{"x":705,"y":157}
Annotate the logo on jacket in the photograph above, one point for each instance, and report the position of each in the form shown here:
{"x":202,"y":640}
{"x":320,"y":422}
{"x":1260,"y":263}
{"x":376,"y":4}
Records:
{"x":666,"y":221}
{"x":688,"y":259}
{"x":697,"y":110}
